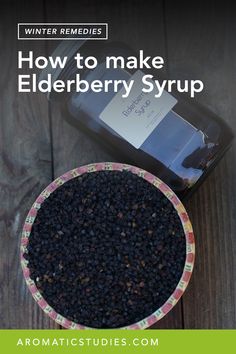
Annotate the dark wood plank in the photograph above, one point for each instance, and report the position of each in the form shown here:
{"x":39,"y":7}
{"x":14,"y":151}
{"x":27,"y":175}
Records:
{"x":201,"y":44}
{"x":139,"y":26}
{"x":25,"y":167}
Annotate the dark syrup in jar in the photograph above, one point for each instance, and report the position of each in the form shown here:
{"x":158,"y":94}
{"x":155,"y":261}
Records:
{"x":181,"y":150}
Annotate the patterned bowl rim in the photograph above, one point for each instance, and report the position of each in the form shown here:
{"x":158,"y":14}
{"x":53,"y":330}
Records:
{"x":187,"y":227}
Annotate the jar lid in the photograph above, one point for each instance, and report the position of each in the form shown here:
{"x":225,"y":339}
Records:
{"x":69,"y":48}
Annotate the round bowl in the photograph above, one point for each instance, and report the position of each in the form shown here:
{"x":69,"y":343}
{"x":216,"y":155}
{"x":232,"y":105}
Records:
{"x":187,"y":227}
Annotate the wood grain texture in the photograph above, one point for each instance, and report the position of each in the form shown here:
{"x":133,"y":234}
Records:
{"x":201,"y":44}
{"x":132,"y":23}
{"x":25,"y":168}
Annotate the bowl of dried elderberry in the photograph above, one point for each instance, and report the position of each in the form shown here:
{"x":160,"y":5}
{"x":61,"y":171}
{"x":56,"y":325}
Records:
{"x":107,"y":245}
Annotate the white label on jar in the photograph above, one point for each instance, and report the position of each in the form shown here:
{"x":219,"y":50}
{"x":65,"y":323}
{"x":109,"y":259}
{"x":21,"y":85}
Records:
{"x":135,"y":117}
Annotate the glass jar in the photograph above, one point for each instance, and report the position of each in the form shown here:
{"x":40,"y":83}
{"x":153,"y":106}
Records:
{"x":181,"y":150}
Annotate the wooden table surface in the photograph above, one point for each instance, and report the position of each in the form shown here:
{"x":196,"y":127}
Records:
{"x":197,"y":40}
